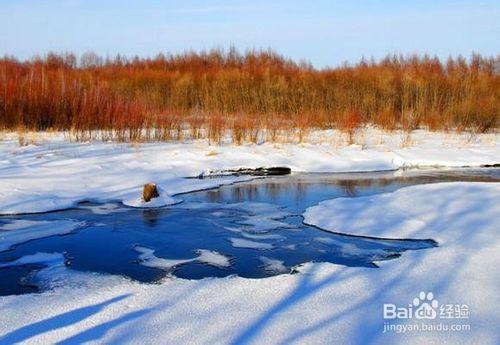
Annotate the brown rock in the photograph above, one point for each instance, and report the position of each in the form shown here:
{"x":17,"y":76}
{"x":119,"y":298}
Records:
{"x":150,"y":191}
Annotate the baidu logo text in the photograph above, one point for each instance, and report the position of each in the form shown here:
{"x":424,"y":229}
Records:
{"x":423,"y":307}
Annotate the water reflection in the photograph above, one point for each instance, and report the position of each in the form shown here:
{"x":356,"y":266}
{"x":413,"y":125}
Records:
{"x":151,"y":216}
{"x":301,"y":190}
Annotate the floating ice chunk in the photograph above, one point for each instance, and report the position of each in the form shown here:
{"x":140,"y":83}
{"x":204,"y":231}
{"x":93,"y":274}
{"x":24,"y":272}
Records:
{"x":54,"y":274}
{"x":263,"y":217}
{"x":148,"y":259}
{"x":273,"y":265}
{"x":213,"y":258}
{"x":263,"y":236}
{"x":258,"y":216}
{"x":242,"y":243}
{"x":49,"y":276}
{"x":20,"y":230}
{"x":263,"y":223}
{"x":47,"y":259}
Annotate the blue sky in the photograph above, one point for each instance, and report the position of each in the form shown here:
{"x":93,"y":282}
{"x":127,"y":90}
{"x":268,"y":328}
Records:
{"x":323,"y":32}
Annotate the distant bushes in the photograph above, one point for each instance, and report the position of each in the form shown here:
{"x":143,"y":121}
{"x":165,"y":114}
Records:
{"x":214,"y":93}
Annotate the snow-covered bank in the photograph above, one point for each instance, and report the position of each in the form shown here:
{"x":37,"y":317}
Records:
{"x":52,"y":173}
{"x":411,"y":212}
{"x":325,"y":303}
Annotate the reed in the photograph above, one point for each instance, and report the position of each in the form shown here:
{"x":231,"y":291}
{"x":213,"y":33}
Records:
{"x":251,"y":96}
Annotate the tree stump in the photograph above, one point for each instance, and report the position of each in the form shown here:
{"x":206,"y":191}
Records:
{"x":150,"y":191}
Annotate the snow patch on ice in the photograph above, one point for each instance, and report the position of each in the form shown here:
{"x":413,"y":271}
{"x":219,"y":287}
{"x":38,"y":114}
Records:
{"x":258,"y":217}
{"x":263,"y":236}
{"x":263,"y":217}
{"x":149,"y":259}
{"x":20,"y":230}
{"x":347,"y":249}
{"x":242,"y":243}
{"x":273,"y":266}
{"x":47,"y":259}
{"x":212,"y":258}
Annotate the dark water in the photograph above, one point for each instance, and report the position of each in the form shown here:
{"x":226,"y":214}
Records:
{"x":209,"y":219}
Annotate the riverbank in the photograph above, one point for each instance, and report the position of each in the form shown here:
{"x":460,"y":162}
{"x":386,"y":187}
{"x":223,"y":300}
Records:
{"x":45,"y":171}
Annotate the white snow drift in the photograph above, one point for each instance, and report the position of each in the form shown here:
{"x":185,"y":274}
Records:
{"x":54,"y":174}
{"x":324,"y":303}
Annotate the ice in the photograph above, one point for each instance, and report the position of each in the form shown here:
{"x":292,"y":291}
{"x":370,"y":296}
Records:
{"x":148,"y":259}
{"x":263,"y":236}
{"x":263,"y":217}
{"x":319,"y":303}
{"x":212,"y":258}
{"x":209,"y":257}
{"x":273,"y":266}
{"x":102,"y":209}
{"x":47,"y":259}
{"x":19,"y":230}
{"x":326,"y":240}
{"x":257,"y":217}
{"x":242,"y":243}
{"x":263,"y":224}
{"x":352,"y":250}
{"x":232,"y":229}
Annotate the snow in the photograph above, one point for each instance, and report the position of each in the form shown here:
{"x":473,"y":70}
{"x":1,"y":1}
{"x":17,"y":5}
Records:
{"x":212,"y":258}
{"x":403,"y":215}
{"x":273,"y":266}
{"x":242,"y":243}
{"x":263,"y":216}
{"x":259,"y":217}
{"x":19,"y":230}
{"x":163,"y":200}
{"x":148,"y":259}
{"x":48,"y":259}
{"x":321,"y":303}
{"x":52,"y":173}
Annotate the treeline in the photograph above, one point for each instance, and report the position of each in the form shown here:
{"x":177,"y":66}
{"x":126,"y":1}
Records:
{"x":210,"y":94}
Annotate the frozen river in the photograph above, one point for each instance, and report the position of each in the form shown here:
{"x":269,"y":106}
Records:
{"x":252,"y":229}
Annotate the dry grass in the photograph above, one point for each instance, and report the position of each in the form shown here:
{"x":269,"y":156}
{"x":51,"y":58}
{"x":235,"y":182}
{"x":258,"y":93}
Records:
{"x":250,"y":97}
